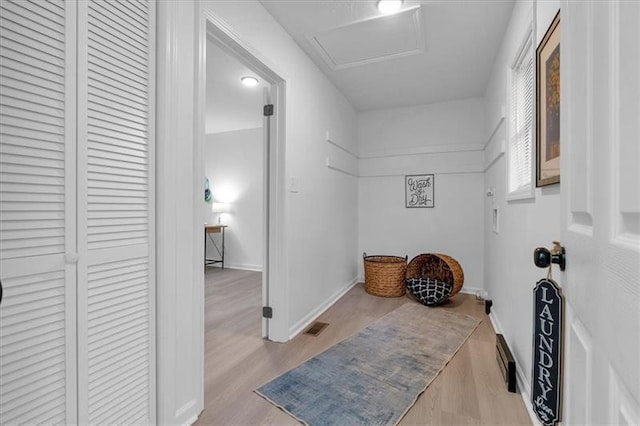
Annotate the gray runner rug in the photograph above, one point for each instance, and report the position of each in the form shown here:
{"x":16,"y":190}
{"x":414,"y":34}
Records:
{"x":375,"y":376}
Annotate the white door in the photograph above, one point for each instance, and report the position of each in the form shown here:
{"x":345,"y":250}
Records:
{"x":77,"y":320}
{"x":116,"y":286}
{"x":266,"y":164}
{"x":37,"y":213}
{"x":600,"y":185}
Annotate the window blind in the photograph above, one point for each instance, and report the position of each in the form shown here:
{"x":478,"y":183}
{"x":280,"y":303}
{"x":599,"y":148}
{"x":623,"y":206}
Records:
{"x":521,"y":117}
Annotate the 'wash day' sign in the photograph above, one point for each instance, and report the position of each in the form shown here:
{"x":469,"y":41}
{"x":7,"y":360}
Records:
{"x":546,"y":380}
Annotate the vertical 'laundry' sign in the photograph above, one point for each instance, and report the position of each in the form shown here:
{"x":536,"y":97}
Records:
{"x":546,"y":380}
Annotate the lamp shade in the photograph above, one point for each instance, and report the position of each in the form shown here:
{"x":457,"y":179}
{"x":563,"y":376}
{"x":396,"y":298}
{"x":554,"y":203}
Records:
{"x":220,"y":207}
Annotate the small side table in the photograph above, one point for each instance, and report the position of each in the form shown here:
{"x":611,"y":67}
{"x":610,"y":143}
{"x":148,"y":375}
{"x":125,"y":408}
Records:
{"x":208,"y":231}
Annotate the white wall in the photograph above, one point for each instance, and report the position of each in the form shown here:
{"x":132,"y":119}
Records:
{"x":457,"y":122}
{"x":233,"y":164}
{"x":179,"y":223}
{"x":510,"y":274}
{"x":444,"y":139}
{"x":321,"y":217}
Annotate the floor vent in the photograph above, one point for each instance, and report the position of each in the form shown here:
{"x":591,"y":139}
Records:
{"x":316,"y":328}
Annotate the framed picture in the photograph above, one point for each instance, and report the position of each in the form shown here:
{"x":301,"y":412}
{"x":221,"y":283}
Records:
{"x":418,"y":191}
{"x":548,"y":106}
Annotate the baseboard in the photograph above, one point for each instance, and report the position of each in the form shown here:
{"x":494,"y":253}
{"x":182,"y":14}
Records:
{"x":526,"y":396}
{"x":245,"y":267}
{"x":465,"y":289}
{"x":191,"y":420}
{"x":496,"y":325}
{"x":523,"y":382}
{"x":298,"y":327}
{"x":242,"y":266}
{"x":185,"y":411}
{"x":470,"y":290}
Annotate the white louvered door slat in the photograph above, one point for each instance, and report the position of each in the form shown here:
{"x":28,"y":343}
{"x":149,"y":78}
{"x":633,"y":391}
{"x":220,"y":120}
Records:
{"x":37,"y":212}
{"x":116,"y":296}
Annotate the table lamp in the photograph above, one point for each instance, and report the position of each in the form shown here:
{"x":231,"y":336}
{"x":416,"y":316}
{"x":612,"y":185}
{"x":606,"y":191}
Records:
{"x":220,"y":208}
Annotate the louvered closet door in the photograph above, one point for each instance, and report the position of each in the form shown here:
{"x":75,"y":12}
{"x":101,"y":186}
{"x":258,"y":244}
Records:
{"x":37,"y":213}
{"x":116,"y":346}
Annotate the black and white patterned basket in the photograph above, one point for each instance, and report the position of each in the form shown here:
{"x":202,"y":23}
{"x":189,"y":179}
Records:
{"x":429,"y":291}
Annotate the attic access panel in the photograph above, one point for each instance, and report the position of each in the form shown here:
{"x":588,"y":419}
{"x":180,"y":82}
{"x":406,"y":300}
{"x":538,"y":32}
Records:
{"x":372,"y":40}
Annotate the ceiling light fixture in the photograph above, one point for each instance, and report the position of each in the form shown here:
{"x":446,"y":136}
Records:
{"x":389,"y":6}
{"x":249,"y":81}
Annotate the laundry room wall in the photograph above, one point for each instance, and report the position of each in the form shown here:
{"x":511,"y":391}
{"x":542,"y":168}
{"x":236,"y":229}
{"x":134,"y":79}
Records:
{"x":443,"y":139}
{"x":525,"y":224}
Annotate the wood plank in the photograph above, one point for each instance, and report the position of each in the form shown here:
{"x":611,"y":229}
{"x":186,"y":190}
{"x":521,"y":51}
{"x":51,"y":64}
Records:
{"x":470,"y":390}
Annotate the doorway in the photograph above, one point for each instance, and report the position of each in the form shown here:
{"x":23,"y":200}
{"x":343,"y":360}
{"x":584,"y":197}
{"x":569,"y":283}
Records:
{"x":272,"y":197}
{"x":234,"y":162}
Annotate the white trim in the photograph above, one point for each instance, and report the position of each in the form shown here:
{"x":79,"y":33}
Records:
{"x":242,"y":267}
{"x":266,"y":152}
{"x":179,"y":370}
{"x":522,"y":380}
{"x":70,"y":216}
{"x":525,"y":193}
{"x":469,"y":159}
{"x":525,"y":394}
{"x":331,"y":165}
{"x":268,"y":70}
{"x":337,"y":145}
{"x":82,"y":272}
{"x":495,"y":129}
{"x":495,"y":154}
{"x":525,"y":49}
{"x":494,"y":160}
{"x":198,"y":169}
{"x":275,"y":284}
{"x":185,"y":408}
{"x":462,"y":170}
{"x":369,"y":163}
{"x":298,"y":327}
{"x":191,"y":420}
{"x":338,"y":169}
{"x":152,"y":162}
{"x":464,"y":290}
{"x":471,"y":290}
{"x":491,"y":141}
{"x":430,"y":149}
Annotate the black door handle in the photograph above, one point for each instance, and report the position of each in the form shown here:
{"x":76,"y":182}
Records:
{"x":543,"y":257}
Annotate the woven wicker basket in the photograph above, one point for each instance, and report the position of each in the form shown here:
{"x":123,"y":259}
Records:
{"x":436,"y":265}
{"x":384,"y":275}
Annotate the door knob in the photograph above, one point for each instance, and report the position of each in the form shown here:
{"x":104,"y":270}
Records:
{"x":543,"y":257}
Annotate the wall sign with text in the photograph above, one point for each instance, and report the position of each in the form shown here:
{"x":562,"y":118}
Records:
{"x":546,"y":379}
{"x":419,"y":191}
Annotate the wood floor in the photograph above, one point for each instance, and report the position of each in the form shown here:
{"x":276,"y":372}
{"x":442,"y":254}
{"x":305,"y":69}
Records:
{"x":469,"y":390}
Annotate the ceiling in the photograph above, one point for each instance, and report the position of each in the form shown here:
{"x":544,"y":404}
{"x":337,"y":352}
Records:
{"x":230,"y":105}
{"x":444,"y":51}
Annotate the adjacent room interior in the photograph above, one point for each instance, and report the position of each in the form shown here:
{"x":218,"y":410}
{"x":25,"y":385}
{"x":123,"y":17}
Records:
{"x":234,"y":217}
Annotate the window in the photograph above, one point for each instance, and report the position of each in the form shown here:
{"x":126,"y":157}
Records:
{"x":520,"y":165}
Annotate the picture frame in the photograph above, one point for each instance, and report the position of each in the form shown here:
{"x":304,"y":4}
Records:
{"x":419,"y":191}
{"x":548,"y":106}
